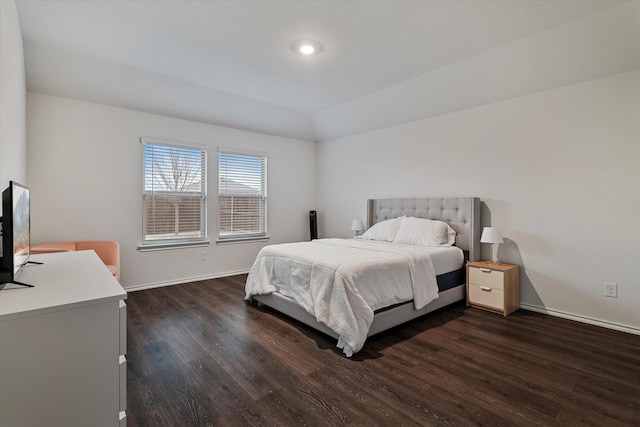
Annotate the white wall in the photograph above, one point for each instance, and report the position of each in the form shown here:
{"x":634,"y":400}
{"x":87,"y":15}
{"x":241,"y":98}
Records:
{"x":12,"y":100}
{"x":85,"y":172}
{"x":558,"y":172}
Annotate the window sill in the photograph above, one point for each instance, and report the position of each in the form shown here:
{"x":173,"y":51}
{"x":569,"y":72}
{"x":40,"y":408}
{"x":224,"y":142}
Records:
{"x":148,"y":247}
{"x":234,"y":240}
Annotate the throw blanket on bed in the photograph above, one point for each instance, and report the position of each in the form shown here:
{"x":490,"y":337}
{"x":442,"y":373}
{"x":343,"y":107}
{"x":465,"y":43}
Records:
{"x":342,"y":282}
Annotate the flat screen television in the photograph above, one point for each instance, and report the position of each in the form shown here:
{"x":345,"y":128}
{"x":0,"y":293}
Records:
{"x":16,"y":232}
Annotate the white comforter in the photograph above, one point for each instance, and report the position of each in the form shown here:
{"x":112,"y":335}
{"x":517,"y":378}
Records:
{"x":342,"y":282}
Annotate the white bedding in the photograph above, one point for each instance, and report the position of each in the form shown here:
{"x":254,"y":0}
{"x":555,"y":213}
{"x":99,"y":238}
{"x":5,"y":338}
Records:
{"x":445,"y":258}
{"x":342,"y":282}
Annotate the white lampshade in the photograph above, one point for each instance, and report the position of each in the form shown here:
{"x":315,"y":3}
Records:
{"x":491,"y":235}
{"x":357,"y":225}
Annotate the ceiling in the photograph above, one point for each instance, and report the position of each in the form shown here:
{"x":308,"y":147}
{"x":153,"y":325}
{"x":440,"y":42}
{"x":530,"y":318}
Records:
{"x":243,"y":48}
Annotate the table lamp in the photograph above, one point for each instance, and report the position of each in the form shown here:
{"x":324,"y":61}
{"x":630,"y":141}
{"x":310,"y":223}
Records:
{"x":492,"y":235}
{"x":357,"y":226}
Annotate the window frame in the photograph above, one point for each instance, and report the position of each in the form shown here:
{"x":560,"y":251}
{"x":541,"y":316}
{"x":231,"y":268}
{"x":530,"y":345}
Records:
{"x":177,"y":241}
{"x":244,"y":237}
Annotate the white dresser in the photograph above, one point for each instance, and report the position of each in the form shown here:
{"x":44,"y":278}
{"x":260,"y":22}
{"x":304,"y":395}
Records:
{"x":63,"y":345}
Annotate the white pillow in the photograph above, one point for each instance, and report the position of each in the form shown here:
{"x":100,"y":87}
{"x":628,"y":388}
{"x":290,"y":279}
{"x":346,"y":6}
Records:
{"x":425,"y":232}
{"x":384,"y":230}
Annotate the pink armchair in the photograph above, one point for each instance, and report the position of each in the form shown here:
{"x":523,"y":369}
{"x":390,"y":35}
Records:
{"x":107,"y":250}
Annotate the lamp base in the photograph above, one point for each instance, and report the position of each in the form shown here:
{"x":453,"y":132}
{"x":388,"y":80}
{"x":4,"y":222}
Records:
{"x":494,"y":254}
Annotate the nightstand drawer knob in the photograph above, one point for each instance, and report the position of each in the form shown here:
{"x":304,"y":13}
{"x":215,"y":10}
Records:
{"x":485,"y":270}
{"x":485,"y":288}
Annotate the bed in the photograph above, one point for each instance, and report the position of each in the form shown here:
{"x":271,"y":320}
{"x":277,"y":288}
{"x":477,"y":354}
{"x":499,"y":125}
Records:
{"x":344,"y":307}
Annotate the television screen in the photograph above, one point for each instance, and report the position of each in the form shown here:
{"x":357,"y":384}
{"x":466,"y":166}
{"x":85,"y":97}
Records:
{"x":21,"y":226}
{"x":15,"y":228}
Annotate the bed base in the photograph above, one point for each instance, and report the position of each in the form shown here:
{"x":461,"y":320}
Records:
{"x":382,"y":320}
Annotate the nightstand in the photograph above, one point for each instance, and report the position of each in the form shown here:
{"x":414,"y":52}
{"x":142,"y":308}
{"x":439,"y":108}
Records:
{"x":493,"y":287}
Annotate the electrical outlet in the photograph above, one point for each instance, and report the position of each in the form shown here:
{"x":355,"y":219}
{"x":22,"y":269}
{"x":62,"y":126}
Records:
{"x":611,"y":290}
{"x":203,"y":256}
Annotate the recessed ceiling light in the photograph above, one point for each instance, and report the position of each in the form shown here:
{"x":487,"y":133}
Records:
{"x":307,"y":47}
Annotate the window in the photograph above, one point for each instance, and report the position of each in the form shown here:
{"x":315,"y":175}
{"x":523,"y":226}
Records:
{"x":242,"y":196}
{"x":174,"y":197}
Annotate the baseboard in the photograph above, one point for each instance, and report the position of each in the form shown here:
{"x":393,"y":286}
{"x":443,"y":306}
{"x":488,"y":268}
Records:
{"x":185,"y":280}
{"x":583,"y":319}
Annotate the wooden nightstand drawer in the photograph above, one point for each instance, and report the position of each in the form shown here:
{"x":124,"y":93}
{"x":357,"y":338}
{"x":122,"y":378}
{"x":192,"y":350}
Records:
{"x":486,"y":277}
{"x":486,"y":296}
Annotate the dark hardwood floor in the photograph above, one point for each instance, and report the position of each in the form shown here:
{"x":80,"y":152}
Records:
{"x":198,"y":355}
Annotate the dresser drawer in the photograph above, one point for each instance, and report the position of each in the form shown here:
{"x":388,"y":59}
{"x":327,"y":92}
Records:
{"x":123,"y":327}
{"x":486,"y":277}
{"x":123,"y":383}
{"x":486,"y":296}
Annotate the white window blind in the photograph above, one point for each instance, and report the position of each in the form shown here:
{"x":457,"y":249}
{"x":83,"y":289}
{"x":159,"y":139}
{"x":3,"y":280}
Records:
{"x":242,"y":195}
{"x":174,"y":199}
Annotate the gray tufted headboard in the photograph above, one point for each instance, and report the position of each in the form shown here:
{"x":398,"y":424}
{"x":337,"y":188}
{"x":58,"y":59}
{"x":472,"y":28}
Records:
{"x":461,"y":213}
